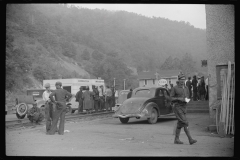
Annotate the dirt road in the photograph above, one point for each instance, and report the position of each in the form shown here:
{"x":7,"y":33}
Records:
{"x":108,"y":137}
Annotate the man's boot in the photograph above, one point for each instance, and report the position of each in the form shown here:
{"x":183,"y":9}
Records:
{"x":191,"y":141}
{"x":177,"y":141}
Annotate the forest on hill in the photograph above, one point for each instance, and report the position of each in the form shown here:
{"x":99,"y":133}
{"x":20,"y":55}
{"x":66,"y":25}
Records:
{"x":40,"y":38}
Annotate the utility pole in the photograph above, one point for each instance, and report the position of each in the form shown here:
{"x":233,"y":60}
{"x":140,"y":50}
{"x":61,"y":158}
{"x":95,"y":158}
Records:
{"x":124,"y":84}
{"x":114,"y":84}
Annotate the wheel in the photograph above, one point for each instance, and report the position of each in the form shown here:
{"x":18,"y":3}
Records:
{"x":154,"y":117}
{"x":20,"y":117}
{"x":124,"y":120}
{"x":21,"y":110}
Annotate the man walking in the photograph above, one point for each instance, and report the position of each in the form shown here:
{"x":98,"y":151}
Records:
{"x":178,"y":95}
{"x":189,"y":85}
{"x":61,"y":97}
{"x":48,"y":107}
{"x":108,"y":97}
{"x":79,"y":100}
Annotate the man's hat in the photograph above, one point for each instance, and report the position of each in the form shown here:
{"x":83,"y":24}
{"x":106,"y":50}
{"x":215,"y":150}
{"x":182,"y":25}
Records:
{"x":181,"y":77}
{"x":47,"y":85}
{"x":58,"y":83}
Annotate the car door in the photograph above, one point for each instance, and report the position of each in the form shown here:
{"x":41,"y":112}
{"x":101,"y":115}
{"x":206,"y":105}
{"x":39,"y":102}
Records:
{"x":159,"y":100}
{"x":167,"y":102}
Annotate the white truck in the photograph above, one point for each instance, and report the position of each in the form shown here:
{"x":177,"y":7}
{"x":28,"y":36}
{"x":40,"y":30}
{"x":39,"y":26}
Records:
{"x":73,"y":85}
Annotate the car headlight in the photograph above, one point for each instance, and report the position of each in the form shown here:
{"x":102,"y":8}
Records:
{"x":145,"y":111}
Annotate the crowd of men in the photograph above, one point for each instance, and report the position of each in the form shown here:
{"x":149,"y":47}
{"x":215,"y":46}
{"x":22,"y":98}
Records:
{"x":97,"y":99}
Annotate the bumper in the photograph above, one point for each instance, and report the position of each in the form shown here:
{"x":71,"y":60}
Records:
{"x":134,"y":115}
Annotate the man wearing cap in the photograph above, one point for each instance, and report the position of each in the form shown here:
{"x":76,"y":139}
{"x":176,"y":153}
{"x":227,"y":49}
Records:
{"x":48,"y":106}
{"x":178,"y":95}
{"x":79,"y":100}
{"x":101,"y":98}
{"x":61,"y":97}
{"x":95,"y":98}
{"x":108,"y":97}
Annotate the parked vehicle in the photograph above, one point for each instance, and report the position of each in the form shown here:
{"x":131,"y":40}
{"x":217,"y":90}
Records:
{"x":73,"y":85}
{"x":146,"y":102}
{"x":26,"y":102}
{"x":122,"y":96}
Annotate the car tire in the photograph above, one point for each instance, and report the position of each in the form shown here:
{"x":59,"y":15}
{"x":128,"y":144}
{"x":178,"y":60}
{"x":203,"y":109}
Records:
{"x":20,"y":117}
{"x":124,"y":120}
{"x":153,"y":116}
{"x":21,"y":110}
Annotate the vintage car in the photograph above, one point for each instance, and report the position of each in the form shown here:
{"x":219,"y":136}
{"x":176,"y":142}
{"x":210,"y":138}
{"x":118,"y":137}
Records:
{"x":33,"y":97}
{"x":146,"y":102}
{"x":122,"y":96}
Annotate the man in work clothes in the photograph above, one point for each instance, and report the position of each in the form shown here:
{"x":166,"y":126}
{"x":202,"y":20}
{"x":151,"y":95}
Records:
{"x":48,"y":107}
{"x":61,"y":97}
{"x":101,"y":98}
{"x":194,"y":84}
{"x":87,"y":100}
{"x":35,"y":115}
{"x":178,"y":95}
{"x":79,"y":100}
{"x":108,"y":97}
{"x":189,"y":85}
{"x":96,"y":98}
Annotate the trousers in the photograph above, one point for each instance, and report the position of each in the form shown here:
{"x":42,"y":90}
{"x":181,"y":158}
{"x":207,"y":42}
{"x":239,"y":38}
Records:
{"x":96,"y":105}
{"x":108,"y":103}
{"x":48,"y":115}
{"x":80,"y":106}
{"x":180,"y":112}
{"x":59,"y":113}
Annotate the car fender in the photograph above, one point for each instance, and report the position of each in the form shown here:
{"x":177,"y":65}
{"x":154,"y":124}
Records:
{"x":40,"y":103}
{"x":148,"y":106}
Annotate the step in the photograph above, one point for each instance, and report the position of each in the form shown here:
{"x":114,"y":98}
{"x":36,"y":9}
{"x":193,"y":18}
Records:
{"x":198,"y":111}
{"x":197,"y":107}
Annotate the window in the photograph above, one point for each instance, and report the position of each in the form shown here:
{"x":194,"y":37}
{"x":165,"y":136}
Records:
{"x":160,"y":94}
{"x":142,"y":93}
{"x":145,"y":82}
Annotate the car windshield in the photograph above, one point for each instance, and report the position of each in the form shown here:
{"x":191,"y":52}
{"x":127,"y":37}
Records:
{"x":143,"y":93}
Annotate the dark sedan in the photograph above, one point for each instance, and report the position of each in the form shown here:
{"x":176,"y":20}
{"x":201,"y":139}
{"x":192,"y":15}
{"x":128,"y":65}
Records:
{"x":146,"y":102}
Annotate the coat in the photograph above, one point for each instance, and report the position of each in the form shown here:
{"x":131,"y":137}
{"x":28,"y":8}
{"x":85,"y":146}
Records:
{"x":87,"y":100}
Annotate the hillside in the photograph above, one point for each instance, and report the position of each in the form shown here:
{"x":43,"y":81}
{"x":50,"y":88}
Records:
{"x":51,"y":41}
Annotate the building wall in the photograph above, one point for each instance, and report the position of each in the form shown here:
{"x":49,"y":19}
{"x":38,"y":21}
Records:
{"x":220,"y":44}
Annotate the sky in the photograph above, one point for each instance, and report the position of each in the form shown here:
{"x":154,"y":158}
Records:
{"x":192,"y":13}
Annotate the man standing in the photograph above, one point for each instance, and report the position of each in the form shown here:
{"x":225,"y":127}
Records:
{"x":87,"y":100}
{"x":206,"y":84}
{"x":79,"y":100}
{"x":48,"y":107}
{"x":108,"y":97}
{"x":194,"y":84}
{"x":61,"y":97}
{"x":101,"y":98}
{"x":96,"y":98}
{"x":189,"y":85}
{"x":129,"y":95}
{"x":178,"y":95}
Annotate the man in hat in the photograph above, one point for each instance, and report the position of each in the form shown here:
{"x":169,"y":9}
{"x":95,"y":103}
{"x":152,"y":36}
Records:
{"x":79,"y":100}
{"x":178,"y":95}
{"x":95,"y":98}
{"x":189,"y":85}
{"x":61,"y":97}
{"x":108,"y":97}
{"x":101,"y":98}
{"x":48,"y":107}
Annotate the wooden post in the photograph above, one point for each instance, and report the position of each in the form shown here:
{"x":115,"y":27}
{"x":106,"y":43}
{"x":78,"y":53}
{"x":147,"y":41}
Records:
{"x":228,"y":96}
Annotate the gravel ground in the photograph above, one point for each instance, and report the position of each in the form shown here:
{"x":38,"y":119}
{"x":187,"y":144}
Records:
{"x":106,"y":136}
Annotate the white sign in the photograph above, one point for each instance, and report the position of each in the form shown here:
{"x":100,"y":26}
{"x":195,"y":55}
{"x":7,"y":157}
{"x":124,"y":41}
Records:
{"x":162,"y":82}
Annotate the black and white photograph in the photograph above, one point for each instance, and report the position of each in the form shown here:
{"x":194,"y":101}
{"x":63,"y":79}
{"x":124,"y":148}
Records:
{"x":119,"y":80}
